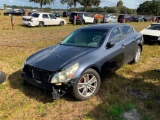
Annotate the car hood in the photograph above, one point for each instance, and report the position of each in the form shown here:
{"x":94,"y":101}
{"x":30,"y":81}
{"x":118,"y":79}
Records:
{"x":56,"y":57}
{"x":150,"y":32}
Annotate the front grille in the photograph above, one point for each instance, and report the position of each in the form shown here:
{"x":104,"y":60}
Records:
{"x":38,"y":74}
{"x":148,"y":37}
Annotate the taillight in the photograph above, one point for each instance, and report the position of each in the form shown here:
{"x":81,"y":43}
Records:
{"x":30,"y":20}
{"x":77,"y":17}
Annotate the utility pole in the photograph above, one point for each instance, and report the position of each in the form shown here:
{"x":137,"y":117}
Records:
{"x":67,"y":5}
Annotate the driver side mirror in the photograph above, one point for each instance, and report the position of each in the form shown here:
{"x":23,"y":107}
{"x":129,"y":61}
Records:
{"x":110,"y":45}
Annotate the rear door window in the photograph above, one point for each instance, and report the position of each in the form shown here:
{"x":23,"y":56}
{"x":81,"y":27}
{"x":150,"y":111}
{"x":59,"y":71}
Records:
{"x":35,"y":15}
{"x":127,"y":31}
{"x":115,"y":35}
{"x":45,"y":16}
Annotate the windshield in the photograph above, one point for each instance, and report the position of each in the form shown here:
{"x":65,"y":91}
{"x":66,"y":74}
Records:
{"x":86,"y":38}
{"x":154,"y":27}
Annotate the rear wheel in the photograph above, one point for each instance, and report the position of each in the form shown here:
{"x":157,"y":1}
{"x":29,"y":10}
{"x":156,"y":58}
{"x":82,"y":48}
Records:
{"x":41,"y":24}
{"x":137,"y":55}
{"x":61,"y":23}
{"x":87,"y":85}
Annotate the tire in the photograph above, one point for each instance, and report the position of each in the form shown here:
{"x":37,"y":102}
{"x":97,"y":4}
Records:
{"x":41,"y":24}
{"x":2,"y":77}
{"x":82,"y":22}
{"x":61,"y":23}
{"x":25,"y":83}
{"x":95,"y":21}
{"x":87,"y":85}
{"x":137,"y":55}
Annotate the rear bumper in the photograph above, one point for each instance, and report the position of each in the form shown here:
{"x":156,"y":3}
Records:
{"x":28,"y":23}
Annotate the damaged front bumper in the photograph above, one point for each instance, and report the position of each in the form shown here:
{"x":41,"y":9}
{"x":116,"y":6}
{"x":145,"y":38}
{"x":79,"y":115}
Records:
{"x":57,"y":91}
{"x":151,"y":38}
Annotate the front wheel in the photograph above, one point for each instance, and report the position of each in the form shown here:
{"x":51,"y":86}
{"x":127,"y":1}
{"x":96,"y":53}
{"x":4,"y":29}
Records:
{"x":87,"y":85}
{"x":95,"y":21}
{"x":137,"y":55}
{"x":82,"y":22}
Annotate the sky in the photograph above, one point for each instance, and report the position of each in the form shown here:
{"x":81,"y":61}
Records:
{"x":128,"y":3}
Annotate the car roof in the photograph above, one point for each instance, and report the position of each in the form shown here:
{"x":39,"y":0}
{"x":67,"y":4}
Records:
{"x":78,"y":12}
{"x":42,"y":13}
{"x":104,"y":26}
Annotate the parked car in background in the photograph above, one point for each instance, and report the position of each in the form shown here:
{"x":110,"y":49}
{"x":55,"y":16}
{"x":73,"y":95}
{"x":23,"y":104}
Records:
{"x":33,"y":11}
{"x":98,"y":16}
{"x":158,"y":19}
{"x":57,"y":14}
{"x":122,"y":18}
{"x":151,"y":33}
{"x":109,"y":19}
{"x":147,"y":18}
{"x":14,"y":12}
{"x":76,"y":63}
{"x":42,"y":19}
{"x":154,"y":19}
{"x":82,"y":18}
{"x":64,"y":14}
{"x":138,"y":19}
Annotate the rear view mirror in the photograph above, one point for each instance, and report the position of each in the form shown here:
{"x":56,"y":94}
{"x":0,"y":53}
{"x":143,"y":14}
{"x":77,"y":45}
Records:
{"x":2,"y":77}
{"x":110,"y":45}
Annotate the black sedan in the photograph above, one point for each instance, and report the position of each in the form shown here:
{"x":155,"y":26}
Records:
{"x":17,"y":12}
{"x":76,"y":63}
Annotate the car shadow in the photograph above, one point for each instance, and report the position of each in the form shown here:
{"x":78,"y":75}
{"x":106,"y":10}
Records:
{"x":116,"y":91}
{"x":16,"y":82}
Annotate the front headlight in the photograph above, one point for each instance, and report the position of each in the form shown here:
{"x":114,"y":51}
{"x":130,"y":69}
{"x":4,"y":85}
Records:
{"x":65,"y":75}
{"x":158,"y":38}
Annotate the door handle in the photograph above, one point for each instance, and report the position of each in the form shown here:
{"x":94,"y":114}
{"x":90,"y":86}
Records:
{"x":123,"y":45}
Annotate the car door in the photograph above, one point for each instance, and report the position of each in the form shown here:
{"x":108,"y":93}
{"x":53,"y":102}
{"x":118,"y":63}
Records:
{"x":88,"y":18}
{"x":114,"y":52}
{"x":46,"y":19}
{"x":54,"y":20}
{"x":129,"y":43}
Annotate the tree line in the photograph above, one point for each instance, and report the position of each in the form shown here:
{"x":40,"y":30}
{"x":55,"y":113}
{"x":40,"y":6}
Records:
{"x":146,"y":8}
{"x":149,"y":8}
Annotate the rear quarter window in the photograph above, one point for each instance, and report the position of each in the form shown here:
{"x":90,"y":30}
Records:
{"x":127,"y":31}
{"x":35,"y":15}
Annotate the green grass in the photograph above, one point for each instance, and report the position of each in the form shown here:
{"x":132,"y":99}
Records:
{"x":27,"y":102}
